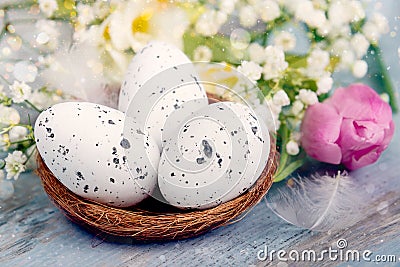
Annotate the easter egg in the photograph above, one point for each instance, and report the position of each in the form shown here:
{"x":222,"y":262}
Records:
{"x":159,"y":80}
{"x":84,"y":147}
{"x":214,"y":156}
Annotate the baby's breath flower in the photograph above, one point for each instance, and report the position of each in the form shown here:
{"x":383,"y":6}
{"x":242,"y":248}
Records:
{"x":280,"y":98}
{"x":359,"y":69}
{"x":202,"y":53}
{"x":48,"y":7}
{"x":17,"y":133}
{"x":268,"y":10}
{"x":247,"y":16}
{"x":251,"y":70}
{"x":297,"y":107}
{"x":256,"y":53}
{"x":210,"y":22}
{"x":8,"y":115}
{"x":324,"y":84}
{"x":308,"y":97}
{"x":360,"y":44}
{"x":275,"y":62}
{"x":292,"y":148}
{"x":85,"y":13}
{"x":15,"y":164}
{"x":317,"y":62}
{"x":20,"y":91}
{"x":286,"y":40}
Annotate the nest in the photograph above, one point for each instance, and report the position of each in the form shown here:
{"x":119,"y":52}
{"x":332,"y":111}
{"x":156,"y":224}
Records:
{"x":151,"y":220}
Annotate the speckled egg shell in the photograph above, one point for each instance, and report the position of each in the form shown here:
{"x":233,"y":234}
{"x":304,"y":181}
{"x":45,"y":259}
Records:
{"x":83,"y":145}
{"x":152,"y":59}
{"x":166,"y":86}
{"x":206,"y":162}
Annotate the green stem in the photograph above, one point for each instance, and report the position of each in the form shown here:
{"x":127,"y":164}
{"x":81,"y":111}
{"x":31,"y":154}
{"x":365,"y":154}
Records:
{"x":284,"y":155}
{"x":387,"y":83}
{"x":33,"y":106}
{"x":289,"y":169}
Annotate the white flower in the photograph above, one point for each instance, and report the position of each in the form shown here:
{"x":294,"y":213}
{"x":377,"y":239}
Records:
{"x":210,"y":22}
{"x":256,"y":53}
{"x":324,"y":84}
{"x":268,"y":10}
{"x":308,"y":97}
{"x":251,"y":70}
{"x":20,"y":91}
{"x":247,"y":16}
{"x":8,"y":115}
{"x":101,"y":9}
{"x":227,"y":6}
{"x":280,"y":98}
{"x":133,"y":24}
{"x":385,"y":97}
{"x":306,"y":12}
{"x":297,"y":107}
{"x":15,"y":164}
{"x":359,"y":44}
{"x":371,"y":31}
{"x":275,"y":111}
{"x":317,"y":61}
{"x":48,"y":6}
{"x":292,"y":148}
{"x":381,"y":22}
{"x":339,"y":45}
{"x":17,"y":133}
{"x":358,"y":12}
{"x":275,"y":62}
{"x":359,"y":69}
{"x":85,"y":13}
{"x":340,"y":13}
{"x":202,"y":53}
{"x":286,"y":40}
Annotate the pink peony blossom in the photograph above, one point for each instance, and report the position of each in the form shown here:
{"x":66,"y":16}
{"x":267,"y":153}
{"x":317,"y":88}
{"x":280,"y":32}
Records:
{"x":352,"y":127}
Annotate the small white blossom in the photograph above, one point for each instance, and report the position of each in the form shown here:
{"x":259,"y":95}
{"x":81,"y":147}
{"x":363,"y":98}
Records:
{"x":251,"y":70}
{"x":371,"y":31}
{"x":17,"y":133}
{"x":308,"y":97}
{"x":227,"y":6}
{"x":359,"y":44}
{"x":297,"y":107}
{"x":101,"y":9}
{"x":340,"y":13}
{"x":275,"y":62}
{"x":247,"y":16}
{"x":381,"y":22}
{"x":210,"y":22}
{"x":15,"y":164}
{"x":280,"y":98}
{"x":202,"y":53}
{"x":306,"y":12}
{"x":385,"y":97}
{"x":85,"y":13}
{"x":359,"y":69}
{"x":286,"y":40}
{"x":48,"y":6}
{"x":358,"y":12}
{"x":256,"y":53}
{"x":20,"y":91}
{"x":317,"y":62}
{"x":324,"y":84}
{"x":292,"y":148}
{"x":8,"y":115}
{"x":268,"y":10}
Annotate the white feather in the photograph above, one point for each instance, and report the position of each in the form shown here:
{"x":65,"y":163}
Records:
{"x":320,"y":203}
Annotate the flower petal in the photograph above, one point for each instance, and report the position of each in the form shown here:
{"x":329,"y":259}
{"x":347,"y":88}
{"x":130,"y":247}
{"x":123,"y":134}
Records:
{"x":320,"y":130}
{"x":360,"y":102}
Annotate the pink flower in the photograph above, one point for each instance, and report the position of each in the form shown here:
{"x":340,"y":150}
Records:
{"x":352,"y":127}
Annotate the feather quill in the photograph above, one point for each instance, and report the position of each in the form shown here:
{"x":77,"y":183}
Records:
{"x":320,"y":202}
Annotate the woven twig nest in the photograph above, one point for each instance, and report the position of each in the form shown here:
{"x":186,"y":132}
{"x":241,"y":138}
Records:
{"x":151,"y":219}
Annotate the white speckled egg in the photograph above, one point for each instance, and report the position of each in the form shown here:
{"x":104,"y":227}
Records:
{"x":84,"y":147}
{"x":159,"y":80}
{"x":215,"y":156}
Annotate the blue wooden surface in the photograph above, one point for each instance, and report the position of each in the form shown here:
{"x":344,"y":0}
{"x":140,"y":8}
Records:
{"x":34,"y":233}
